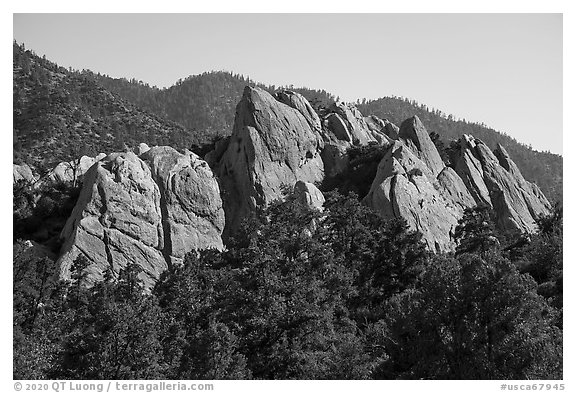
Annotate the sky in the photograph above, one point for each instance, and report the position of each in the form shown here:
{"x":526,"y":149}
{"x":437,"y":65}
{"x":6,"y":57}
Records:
{"x":501,"y":69}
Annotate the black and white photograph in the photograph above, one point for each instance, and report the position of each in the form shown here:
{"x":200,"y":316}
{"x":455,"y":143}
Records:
{"x":287,"y":196}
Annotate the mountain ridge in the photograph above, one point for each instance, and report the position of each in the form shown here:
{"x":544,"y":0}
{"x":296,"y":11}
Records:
{"x":199,"y":110}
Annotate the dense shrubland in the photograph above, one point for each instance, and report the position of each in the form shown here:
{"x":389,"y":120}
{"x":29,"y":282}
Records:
{"x":302,"y":294}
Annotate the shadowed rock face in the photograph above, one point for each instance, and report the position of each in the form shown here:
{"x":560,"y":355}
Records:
{"x":345,"y":127}
{"x":150,"y":212}
{"x":272,"y":146}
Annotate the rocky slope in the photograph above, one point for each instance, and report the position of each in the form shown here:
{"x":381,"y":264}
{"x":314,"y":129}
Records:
{"x":154,"y":205}
{"x":150,"y":210}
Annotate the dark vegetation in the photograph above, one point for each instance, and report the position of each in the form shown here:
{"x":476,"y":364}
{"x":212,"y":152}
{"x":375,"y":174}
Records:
{"x":57,"y":112}
{"x":303,"y":294}
{"x":40,"y":213}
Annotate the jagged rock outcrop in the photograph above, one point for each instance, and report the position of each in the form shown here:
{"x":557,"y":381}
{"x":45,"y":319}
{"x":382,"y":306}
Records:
{"x":127,"y":212}
{"x":412,"y":182}
{"x":309,"y":194}
{"x":298,"y":102}
{"x":345,"y":127}
{"x":192,"y":214}
{"x":405,"y":186}
{"x":498,"y":182}
{"x":22,"y":173}
{"x":272,"y":146}
{"x":415,"y":135}
{"x":69,"y":172}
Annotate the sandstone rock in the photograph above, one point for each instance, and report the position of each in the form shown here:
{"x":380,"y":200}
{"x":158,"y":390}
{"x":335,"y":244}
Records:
{"x":192,"y":214}
{"x":272,"y":146}
{"x":309,"y":194}
{"x":413,"y":132}
{"x":22,"y":173}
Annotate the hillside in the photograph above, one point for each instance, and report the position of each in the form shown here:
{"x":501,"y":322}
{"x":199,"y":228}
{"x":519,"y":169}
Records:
{"x":56,"y":108}
{"x":202,"y":103}
{"x":60,"y":114}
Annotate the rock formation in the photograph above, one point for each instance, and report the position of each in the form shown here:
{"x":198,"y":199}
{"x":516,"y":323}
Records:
{"x":405,"y":186}
{"x":192,"y":214}
{"x":272,"y":146}
{"x":309,"y":194}
{"x":412,"y":182}
{"x":72,"y":171}
{"x":497,"y":181}
{"x":130,"y":212}
{"x":22,"y":173}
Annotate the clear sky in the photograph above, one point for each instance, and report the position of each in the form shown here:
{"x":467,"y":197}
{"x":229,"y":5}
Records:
{"x":501,"y":69}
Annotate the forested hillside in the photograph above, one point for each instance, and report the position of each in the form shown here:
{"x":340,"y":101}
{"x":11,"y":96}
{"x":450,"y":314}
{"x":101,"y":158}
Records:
{"x":204,"y":104}
{"x":358,"y":298}
{"x":60,"y":114}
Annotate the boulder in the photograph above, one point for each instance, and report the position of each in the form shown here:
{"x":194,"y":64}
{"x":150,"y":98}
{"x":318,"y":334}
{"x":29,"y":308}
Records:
{"x":309,"y":194}
{"x":272,"y":146}
{"x":22,"y":173}
{"x":141,"y":149}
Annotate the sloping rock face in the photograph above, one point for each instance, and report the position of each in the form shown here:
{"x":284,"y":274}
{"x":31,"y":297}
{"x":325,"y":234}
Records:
{"x":272,"y":146}
{"x":298,"y":102}
{"x":415,"y":135}
{"x":117,"y":220}
{"x":192,"y":213}
{"x":405,"y":186}
{"x":497,"y":181}
{"x":123,"y":215}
